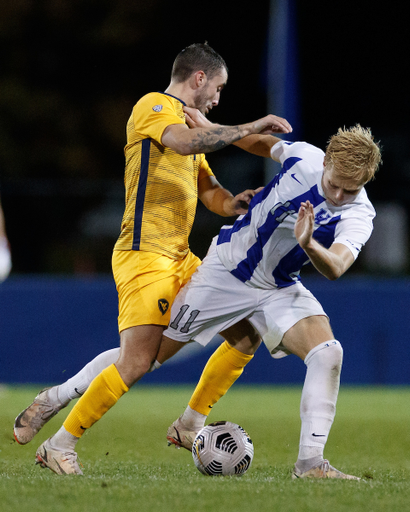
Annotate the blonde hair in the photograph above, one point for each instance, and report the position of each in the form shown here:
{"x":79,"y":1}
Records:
{"x":353,"y":154}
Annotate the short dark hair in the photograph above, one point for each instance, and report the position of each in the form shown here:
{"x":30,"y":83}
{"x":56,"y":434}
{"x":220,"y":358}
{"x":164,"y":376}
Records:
{"x":197,"y":57}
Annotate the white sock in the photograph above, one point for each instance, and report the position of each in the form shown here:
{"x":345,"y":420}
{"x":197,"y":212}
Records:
{"x":193,"y":419}
{"x":63,"y":440}
{"x":77,"y":385}
{"x":318,"y":402}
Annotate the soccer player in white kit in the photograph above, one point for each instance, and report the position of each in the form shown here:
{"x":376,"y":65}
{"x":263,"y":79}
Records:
{"x":315,"y":210}
{"x":248,"y":287}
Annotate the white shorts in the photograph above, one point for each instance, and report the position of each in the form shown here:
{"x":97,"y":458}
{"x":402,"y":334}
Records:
{"x":213,"y":300}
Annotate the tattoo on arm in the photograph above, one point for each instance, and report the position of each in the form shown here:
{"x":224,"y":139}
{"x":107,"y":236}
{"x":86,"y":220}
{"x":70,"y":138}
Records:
{"x":215,"y":139}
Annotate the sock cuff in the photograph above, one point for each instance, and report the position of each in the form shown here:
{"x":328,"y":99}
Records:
{"x":73,"y":425}
{"x":102,"y":394}
{"x":113,"y":380}
{"x":235,"y":356}
{"x":321,"y":346}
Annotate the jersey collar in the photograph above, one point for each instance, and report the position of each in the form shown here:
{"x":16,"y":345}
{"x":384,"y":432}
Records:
{"x":166,"y":94}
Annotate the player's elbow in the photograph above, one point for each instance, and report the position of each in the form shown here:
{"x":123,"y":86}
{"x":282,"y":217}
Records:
{"x":333,"y":273}
{"x":181,"y":148}
{"x":178,"y":138}
{"x":332,"y":276}
{"x":336,"y":265}
{"x":185,"y":153}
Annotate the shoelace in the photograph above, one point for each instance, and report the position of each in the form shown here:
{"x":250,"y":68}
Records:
{"x":325,"y":467}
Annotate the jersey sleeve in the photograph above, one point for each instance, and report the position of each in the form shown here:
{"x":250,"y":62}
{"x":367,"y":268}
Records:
{"x":204,"y":169}
{"x":354,"y":231}
{"x":152,"y":114}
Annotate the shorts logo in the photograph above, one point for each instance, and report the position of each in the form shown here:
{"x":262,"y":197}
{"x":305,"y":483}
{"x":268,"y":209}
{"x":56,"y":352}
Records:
{"x":157,"y":108}
{"x":163,"y":305}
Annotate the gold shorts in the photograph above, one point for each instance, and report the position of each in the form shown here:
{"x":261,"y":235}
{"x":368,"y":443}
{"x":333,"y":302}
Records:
{"x":147,"y":284}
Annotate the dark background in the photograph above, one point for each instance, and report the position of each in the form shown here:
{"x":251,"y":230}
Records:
{"x":71,"y":71}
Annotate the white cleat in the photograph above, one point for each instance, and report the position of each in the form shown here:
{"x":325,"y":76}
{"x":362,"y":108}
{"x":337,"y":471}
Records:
{"x":62,"y":463}
{"x":180,"y":436}
{"x":29,"y":422}
{"x":324,"y":470}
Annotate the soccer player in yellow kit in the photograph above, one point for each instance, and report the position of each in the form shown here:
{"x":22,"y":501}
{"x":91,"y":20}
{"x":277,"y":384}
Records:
{"x":166,"y":171}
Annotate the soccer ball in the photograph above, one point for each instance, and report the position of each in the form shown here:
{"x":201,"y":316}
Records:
{"x":222,"y":448}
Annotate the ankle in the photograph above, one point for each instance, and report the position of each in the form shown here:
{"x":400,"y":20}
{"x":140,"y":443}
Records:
{"x":63,"y":440}
{"x":193,"y":419}
{"x":303,"y":465}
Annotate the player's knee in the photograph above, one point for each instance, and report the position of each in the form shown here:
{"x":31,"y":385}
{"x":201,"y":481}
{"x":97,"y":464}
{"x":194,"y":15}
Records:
{"x":328,"y":354}
{"x":332,"y":355}
{"x":243,"y":337}
{"x":141,"y":366}
{"x":336,"y":359}
{"x":132,"y":371}
{"x":336,"y":350}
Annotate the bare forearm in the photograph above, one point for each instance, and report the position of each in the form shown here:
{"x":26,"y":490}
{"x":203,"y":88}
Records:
{"x":332,"y":262}
{"x":221,"y":203}
{"x":329,"y":264}
{"x":259,"y":145}
{"x":205,"y":137}
{"x":207,"y":140}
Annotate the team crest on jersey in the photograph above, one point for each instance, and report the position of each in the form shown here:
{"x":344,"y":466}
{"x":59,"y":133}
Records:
{"x":163,"y":305}
{"x":157,"y":108}
{"x":321,"y":216}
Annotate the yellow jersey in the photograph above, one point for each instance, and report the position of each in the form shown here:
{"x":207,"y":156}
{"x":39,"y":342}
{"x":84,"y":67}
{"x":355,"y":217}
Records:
{"x":161,"y":186}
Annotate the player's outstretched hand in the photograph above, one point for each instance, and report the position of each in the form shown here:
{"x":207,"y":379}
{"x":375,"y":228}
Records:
{"x":305,"y":224}
{"x":271,"y":124}
{"x":240,"y":202}
{"x":266,"y":126}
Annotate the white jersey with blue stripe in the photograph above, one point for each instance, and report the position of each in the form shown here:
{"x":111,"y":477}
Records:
{"x":261,"y":250}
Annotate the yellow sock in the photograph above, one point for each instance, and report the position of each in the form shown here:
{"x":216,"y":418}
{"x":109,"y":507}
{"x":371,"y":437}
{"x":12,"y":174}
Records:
{"x":104,"y":391}
{"x":222,"y":369}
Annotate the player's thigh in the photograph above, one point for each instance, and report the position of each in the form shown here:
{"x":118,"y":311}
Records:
{"x":306,"y":334}
{"x":279,"y":310}
{"x":139,"y":347}
{"x":243,"y":336}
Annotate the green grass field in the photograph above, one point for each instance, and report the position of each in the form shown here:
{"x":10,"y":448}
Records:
{"x":129,"y":467}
